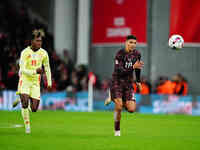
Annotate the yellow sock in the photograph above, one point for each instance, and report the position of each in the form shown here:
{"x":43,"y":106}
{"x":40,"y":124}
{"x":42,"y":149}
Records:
{"x":25,"y":115}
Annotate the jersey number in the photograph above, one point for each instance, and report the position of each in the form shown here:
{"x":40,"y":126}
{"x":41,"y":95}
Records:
{"x":128,"y":64}
{"x":33,"y":62}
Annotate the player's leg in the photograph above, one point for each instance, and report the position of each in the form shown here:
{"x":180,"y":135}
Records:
{"x":25,"y":112}
{"x":34,"y":104}
{"x":130,"y":102}
{"x":17,"y":100}
{"x":35,"y":97}
{"x":108,"y":99}
{"x":116,"y":93}
{"x":117,"y":115}
{"x":24,"y":90}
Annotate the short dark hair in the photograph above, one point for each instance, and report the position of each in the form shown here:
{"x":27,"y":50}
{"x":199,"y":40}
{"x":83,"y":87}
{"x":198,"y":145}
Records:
{"x":131,"y":37}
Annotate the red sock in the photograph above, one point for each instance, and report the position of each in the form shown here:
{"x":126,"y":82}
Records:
{"x":117,"y":125}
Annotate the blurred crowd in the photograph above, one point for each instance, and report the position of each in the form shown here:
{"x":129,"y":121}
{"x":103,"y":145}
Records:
{"x":178,"y":85}
{"x":15,"y":28}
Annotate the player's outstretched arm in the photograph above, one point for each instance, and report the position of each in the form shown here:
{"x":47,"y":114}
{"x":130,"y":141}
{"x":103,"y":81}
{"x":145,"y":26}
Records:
{"x":138,"y":66}
{"x":47,"y":70}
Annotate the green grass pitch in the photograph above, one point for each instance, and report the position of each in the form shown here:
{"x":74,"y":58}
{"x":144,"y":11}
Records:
{"x":59,"y":130}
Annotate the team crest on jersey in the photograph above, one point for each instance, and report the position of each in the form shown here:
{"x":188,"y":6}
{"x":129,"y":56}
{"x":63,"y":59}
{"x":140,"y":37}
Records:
{"x":40,"y":55}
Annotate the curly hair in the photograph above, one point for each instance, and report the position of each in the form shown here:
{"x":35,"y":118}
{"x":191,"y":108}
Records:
{"x":38,"y":33}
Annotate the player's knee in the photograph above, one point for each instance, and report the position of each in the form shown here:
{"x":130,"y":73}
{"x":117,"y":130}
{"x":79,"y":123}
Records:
{"x":119,"y":107}
{"x":24,"y":104}
{"x":118,"y":104}
{"x":24,"y":100}
{"x":24,"y":97}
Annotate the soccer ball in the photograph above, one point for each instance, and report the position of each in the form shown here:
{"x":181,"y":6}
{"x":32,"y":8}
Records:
{"x":176,"y":42}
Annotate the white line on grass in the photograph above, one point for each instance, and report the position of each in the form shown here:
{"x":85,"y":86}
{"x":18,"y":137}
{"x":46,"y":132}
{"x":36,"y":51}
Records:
{"x":11,"y":125}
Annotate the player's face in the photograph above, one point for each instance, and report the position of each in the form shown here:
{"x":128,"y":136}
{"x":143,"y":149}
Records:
{"x":131,"y":44}
{"x":37,"y":42}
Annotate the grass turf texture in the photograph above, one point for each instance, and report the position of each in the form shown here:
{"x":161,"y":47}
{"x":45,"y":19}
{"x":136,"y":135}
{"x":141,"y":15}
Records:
{"x":55,"y":130}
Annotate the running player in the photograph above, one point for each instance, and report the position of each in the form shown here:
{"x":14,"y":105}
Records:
{"x":121,"y":92}
{"x":31,"y":61}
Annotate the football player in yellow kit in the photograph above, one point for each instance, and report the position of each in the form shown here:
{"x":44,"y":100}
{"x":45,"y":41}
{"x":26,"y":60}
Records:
{"x":31,"y":61}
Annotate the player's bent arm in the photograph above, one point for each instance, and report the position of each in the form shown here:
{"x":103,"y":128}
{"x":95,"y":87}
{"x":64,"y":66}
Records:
{"x":138,"y":80}
{"x":47,"y":69}
{"x":137,"y":74}
{"x":22,"y":65}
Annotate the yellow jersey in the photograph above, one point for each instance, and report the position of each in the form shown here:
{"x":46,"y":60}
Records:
{"x":30,"y":61}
